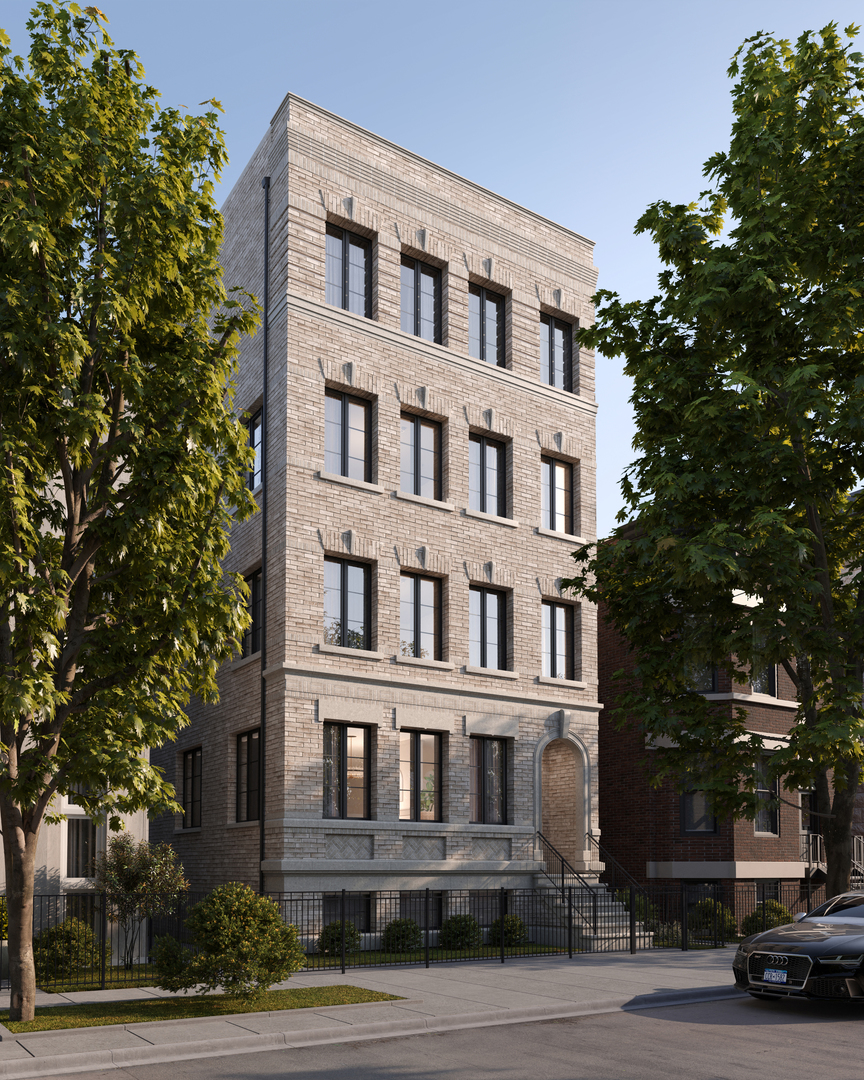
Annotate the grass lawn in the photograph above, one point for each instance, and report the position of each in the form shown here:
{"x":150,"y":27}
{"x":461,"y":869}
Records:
{"x":116,"y":978}
{"x":56,"y":1017}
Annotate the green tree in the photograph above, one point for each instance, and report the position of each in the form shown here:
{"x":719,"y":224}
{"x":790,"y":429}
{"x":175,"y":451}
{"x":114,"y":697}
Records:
{"x":122,"y":459}
{"x":139,"y":881}
{"x":746,"y":537}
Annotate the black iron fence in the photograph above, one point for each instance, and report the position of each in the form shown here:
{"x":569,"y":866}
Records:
{"x":78,"y":946}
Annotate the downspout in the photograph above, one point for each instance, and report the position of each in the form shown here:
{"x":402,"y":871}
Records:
{"x":262,"y":741}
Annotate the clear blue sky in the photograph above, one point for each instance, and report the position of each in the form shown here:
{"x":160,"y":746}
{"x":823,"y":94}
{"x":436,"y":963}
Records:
{"x":584,"y":111}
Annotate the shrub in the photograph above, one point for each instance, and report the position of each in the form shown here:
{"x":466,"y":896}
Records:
{"x":775,"y":915}
{"x":65,"y":949}
{"x":242,"y":944}
{"x":460,"y":932}
{"x":401,"y":935}
{"x":515,"y":931}
{"x":646,"y":912}
{"x":703,"y":917}
{"x":330,"y":939}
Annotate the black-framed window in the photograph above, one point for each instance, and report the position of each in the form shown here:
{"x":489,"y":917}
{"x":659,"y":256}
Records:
{"x":558,"y":640}
{"x":80,"y":847}
{"x":420,"y":461}
{"x":767,"y":820}
{"x":556,"y":495}
{"x":252,"y":633}
{"x":703,"y":679}
{"x":487,"y":628}
{"x":249,"y":775}
{"x":487,"y":475}
{"x":420,"y":617}
{"x":192,"y":788}
{"x":421,"y":299}
{"x":764,"y":681}
{"x":419,"y":776}
{"x":488,"y":780}
{"x":255,"y":427}
{"x":358,"y":909}
{"x":485,"y":325}
{"x":412,"y":905}
{"x":347,"y":604}
{"x":348,"y":271}
{"x":347,"y":436}
{"x":809,"y":817}
{"x":347,"y":772}
{"x":556,"y":352}
{"x":696,"y":813}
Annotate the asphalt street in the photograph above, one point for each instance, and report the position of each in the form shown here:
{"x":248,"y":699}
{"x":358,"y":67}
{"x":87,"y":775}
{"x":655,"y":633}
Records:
{"x":739,"y":1039}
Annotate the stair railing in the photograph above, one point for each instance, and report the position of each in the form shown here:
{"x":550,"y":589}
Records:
{"x":564,"y":876}
{"x":858,"y":859}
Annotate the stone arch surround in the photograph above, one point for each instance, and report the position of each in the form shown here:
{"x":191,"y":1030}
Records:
{"x":582,"y":785}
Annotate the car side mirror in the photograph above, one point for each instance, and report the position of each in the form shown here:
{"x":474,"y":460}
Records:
{"x":799,"y":915}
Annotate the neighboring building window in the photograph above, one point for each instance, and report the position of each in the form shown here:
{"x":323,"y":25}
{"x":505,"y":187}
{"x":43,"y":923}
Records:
{"x":485,"y":325}
{"x":487,"y":628}
{"x":421,"y":457}
{"x":192,"y":788}
{"x":248,"y":776}
{"x":765,"y":681}
{"x":252,"y":633}
{"x":421,"y":299}
{"x":347,"y":436}
{"x":556,"y":486}
{"x":487,"y":476}
{"x":420,"y":617}
{"x":704,"y":679}
{"x":419,"y":776}
{"x":809,"y":817}
{"x":347,"y":615}
{"x":255,"y":427}
{"x":80,"y":847}
{"x":558,"y":640}
{"x":348,"y":272}
{"x":766,"y":820}
{"x":346,"y":771}
{"x":696,"y":814}
{"x":556,"y":349}
{"x":488,"y":781}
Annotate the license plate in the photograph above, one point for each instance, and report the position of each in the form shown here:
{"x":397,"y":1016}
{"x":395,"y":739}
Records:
{"x":774,"y":975}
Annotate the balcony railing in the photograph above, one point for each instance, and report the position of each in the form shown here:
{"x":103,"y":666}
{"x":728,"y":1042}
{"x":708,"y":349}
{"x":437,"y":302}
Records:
{"x":813,"y":850}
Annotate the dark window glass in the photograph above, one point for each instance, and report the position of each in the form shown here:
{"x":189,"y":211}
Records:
{"x":485,"y":325}
{"x":347,"y":441}
{"x":80,"y":848}
{"x":412,"y":905}
{"x":348,"y":271}
{"x":419,"y":776}
{"x":558,"y":640}
{"x":488,"y":781}
{"x":556,"y":495}
{"x":346,"y":604}
{"x":809,"y":817}
{"x":192,"y":788}
{"x":72,"y":796}
{"x":556,"y":349}
{"x":704,"y":679}
{"x":248,"y":776}
{"x":420,"y":457}
{"x":696,"y":814}
{"x":420,"y":617}
{"x":358,"y":909}
{"x":255,"y":428}
{"x":766,"y":820}
{"x":421,"y":300}
{"x":487,"y":476}
{"x":487,"y":631}
{"x":252,"y":634}
{"x":346,"y":771}
{"x":765,"y":681}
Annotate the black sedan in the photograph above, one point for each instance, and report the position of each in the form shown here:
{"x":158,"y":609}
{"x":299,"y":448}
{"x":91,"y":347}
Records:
{"x":820,"y":955}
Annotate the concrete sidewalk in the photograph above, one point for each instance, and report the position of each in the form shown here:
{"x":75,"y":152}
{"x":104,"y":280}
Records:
{"x":442,"y":997}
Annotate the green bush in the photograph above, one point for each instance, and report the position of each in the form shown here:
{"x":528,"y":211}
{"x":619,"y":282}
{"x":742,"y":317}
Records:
{"x":241,"y":945}
{"x":775,"y":915}
{"x":330,"y":939}
{"x":460,"y":932}
{"x":646,"y":912}
{"x":401,"y":935}
{"x":515,"y":931}
{"x":65,"y":949}
{"x":4,"y":919}
{"x":701,"y":919}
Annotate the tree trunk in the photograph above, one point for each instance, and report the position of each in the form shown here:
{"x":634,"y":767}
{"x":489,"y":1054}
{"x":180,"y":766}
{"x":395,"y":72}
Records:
{"x":20,"y":857}
{"x":837,"y":832}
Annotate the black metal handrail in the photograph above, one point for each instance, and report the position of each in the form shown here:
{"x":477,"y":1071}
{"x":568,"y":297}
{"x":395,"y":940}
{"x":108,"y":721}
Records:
{"x":612,"y":863}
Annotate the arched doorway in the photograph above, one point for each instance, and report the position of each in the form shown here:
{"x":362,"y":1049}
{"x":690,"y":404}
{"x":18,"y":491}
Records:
{"x":563,"y":793}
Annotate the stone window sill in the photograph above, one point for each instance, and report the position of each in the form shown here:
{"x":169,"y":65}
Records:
{"x":570,"y":684}
{"x":350,"y":482}
{"x":569,"y":537}
{"x":187,"y":832}
{"x":420,"y":661}
{"x":235,"y":665}
{"x":423,"y":501}
{"x":495,"y":673}
{"x":357,"y":654}
{"x":511,"y":523}
{"x":242,"y":824}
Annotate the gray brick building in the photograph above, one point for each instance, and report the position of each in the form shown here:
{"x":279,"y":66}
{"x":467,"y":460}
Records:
{"x":431,"y":697}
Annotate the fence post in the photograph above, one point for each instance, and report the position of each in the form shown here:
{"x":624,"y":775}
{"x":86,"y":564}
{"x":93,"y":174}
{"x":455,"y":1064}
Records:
{"x":632,"y":918}
{"x":764,"y":917}
{"x":502,"y":911}
{"x":427,"y":928}
{"x":684,"y":942}
{"x":594,"y":909}
{"x":342,"y":916}
{"x":570,"y":922}
{"x":103,"y":933}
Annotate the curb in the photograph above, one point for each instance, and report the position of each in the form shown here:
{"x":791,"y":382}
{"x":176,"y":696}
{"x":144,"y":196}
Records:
{"x":91,"y":1060}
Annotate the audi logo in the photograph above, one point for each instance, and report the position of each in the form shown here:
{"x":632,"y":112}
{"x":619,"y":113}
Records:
{"x":775,"y":958}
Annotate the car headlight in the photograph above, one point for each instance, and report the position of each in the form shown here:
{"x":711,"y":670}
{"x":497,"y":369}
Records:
{"x":842,"y":961}
{"x":740,"y":955}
